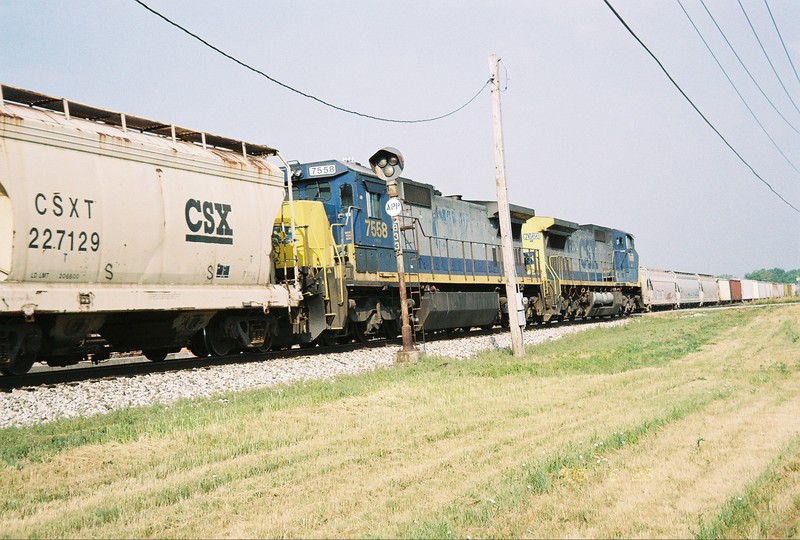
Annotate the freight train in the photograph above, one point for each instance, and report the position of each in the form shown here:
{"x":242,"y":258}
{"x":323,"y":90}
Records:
{"x":453,"y":262}
{"x":120,"y":233}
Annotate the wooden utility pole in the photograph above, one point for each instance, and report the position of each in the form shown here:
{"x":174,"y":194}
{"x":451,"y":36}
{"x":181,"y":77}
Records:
{"x":503,"y":211}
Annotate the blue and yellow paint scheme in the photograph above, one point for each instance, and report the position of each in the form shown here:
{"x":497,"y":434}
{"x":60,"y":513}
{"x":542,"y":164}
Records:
{"x":345,"y":243}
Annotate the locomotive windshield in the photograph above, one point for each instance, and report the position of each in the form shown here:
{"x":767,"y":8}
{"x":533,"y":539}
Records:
{"x":318,"y":191}
{"x":314,"y":191}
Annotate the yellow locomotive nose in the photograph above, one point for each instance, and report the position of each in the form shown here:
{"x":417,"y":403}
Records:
{"x":313,"y":238}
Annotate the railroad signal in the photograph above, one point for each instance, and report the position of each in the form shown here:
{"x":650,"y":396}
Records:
{"x":387,"y":163}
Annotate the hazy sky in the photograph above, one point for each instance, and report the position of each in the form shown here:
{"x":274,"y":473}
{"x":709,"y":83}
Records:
{"x":594,"y":131}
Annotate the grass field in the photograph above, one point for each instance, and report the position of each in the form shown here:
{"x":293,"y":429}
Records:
{"x":685,"y":424}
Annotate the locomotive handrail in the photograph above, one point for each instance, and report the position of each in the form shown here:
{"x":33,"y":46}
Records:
{"x":587,"y":270}
{"x":339,"y":258}
{"x":434,"y":252}
{"x":533,"y":257}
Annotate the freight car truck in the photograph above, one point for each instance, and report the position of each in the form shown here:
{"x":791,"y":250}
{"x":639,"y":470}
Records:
{"x":138,"y":234}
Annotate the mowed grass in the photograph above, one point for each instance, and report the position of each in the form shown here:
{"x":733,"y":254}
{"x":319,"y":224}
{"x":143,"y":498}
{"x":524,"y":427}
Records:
{"x":678,"y":425}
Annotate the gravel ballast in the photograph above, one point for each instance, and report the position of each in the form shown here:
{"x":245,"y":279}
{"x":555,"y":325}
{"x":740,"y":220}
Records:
{"x":24,"y":407}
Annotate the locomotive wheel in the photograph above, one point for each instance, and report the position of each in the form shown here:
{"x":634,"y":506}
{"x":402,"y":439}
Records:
{"x":327,"y":339}
{"x":391,"y":328}
{"x":20,"y":365}
{"x":359,"y":331}
{"x":156,"y":355}
{"x":266,"y":346}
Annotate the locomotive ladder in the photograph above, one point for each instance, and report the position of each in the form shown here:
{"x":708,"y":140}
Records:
{"x":411,"y":259}
{"x":551,"y":288}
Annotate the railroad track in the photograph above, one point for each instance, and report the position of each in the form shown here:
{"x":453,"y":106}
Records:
{"x":43,"y":375}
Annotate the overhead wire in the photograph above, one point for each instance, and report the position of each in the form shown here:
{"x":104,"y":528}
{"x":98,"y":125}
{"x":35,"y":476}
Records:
{"x":769,"y":60}
{"x":788,"y":56}
{"x":738,"y":93}
{"x":300,"y":92}
{"x":747,"y":70}
{"x":688,"y":99}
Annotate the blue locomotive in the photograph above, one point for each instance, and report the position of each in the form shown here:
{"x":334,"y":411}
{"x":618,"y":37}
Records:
{"x":452,"y":255}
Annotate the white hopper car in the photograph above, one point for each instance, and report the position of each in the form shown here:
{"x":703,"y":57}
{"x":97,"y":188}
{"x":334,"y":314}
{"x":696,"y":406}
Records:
{"x":143,"y":235}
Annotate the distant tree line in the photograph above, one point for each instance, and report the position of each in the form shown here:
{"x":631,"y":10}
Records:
{"x":775,"y":275}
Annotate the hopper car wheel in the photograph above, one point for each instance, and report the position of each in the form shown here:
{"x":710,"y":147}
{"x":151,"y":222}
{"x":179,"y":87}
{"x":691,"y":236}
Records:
{"x":156,"y":355}
{"x":198,"y":344}
{"x":218,"y":343}
{"x":20,"y":365}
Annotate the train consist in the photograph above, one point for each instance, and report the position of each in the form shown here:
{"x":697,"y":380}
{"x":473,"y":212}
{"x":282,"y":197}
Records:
{"x":121,"y":233}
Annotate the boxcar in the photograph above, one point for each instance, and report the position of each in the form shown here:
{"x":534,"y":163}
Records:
{"x":736,"y":290}
{"x":749,"y":290}
{"x":724,"y":289}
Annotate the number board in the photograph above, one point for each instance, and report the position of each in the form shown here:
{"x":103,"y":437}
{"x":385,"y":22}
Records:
{"x":322,"y":170}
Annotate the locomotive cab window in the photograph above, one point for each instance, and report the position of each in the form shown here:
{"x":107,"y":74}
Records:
{"x":556,"y":241}
{"x":373,"y":205}
{"x":346,"y":196}
{"x":516,"y":231}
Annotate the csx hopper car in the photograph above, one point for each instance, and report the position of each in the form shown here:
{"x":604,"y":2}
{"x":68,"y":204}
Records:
{"x":139,"y":234}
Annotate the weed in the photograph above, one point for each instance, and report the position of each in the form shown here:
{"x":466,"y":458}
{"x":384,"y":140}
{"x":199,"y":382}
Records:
{"x":792,"y":334}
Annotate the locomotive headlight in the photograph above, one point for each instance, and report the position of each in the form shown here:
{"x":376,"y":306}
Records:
{"x":387,"y":163}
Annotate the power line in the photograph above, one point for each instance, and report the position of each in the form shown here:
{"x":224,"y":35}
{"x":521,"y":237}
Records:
{"x":300,"y":92}
{"x":686,"y":97}
{"x":747,"y":70}
{"x":767,"y":56}
{"x":782,"y":43}
{"x":744,"y":101}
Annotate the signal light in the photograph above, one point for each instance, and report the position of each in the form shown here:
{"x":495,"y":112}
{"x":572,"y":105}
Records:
{"x":387,"y":163}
